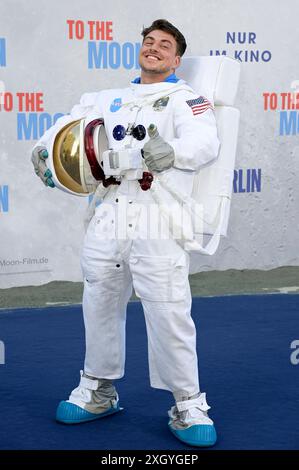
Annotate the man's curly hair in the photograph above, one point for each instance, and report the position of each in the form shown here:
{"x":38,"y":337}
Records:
{"x":164,"y":25}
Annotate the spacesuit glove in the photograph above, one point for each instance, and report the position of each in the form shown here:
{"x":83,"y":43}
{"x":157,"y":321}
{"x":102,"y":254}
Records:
{"x":38,"y":158}
{"x":158,"y":154}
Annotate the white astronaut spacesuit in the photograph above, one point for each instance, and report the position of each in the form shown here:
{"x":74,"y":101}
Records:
{"x":157,"y":268}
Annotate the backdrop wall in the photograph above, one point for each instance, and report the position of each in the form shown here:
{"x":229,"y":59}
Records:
{"x":53,"y":52}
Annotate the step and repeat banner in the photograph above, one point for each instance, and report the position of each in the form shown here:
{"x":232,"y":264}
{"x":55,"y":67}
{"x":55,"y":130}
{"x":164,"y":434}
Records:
{"x":53,"y":52}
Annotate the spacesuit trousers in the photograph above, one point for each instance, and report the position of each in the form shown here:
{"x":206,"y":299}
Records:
{"x":158,"y":271}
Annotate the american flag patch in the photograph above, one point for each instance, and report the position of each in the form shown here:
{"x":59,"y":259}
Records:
{"x":199,"y":105}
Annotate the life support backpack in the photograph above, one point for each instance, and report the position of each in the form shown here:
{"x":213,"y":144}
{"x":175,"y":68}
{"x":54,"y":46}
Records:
{"x":208,"y":206}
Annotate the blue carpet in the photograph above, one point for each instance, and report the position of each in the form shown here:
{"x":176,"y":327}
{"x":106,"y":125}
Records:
{"x":244,"y":356}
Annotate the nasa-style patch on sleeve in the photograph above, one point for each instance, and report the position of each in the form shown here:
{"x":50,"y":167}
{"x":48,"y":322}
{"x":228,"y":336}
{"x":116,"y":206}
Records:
{"x":199,"y":105}
{"x":115,"y":105}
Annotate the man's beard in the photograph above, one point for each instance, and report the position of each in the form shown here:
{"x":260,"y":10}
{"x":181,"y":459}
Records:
{"x":155,"y":71}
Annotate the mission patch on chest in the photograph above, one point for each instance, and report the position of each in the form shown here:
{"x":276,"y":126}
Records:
{"x":161,"y":103}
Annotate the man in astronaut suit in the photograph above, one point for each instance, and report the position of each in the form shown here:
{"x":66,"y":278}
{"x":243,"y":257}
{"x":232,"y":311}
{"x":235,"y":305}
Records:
{"x":157,"y":268}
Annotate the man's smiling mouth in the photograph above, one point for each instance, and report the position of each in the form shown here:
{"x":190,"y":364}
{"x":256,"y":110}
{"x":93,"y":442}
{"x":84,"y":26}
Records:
{"x":150,"y":56}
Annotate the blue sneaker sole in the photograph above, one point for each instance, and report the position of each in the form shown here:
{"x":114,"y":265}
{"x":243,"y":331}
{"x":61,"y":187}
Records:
{"x":69,"y":413}
{"x":198,"y":435}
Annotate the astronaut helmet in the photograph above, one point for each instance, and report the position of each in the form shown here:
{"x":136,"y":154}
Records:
{"x":75,"y":156}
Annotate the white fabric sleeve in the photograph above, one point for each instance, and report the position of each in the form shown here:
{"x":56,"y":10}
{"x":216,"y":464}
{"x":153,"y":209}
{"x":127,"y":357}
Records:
{"x":79,"y":111}
{"x":197,"y":141}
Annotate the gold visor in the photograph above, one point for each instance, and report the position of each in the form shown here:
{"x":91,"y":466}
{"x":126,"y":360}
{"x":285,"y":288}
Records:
{"x":66,"y":157}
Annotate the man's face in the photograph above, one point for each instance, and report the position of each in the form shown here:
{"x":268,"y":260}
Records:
{"x":158,"y":53}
